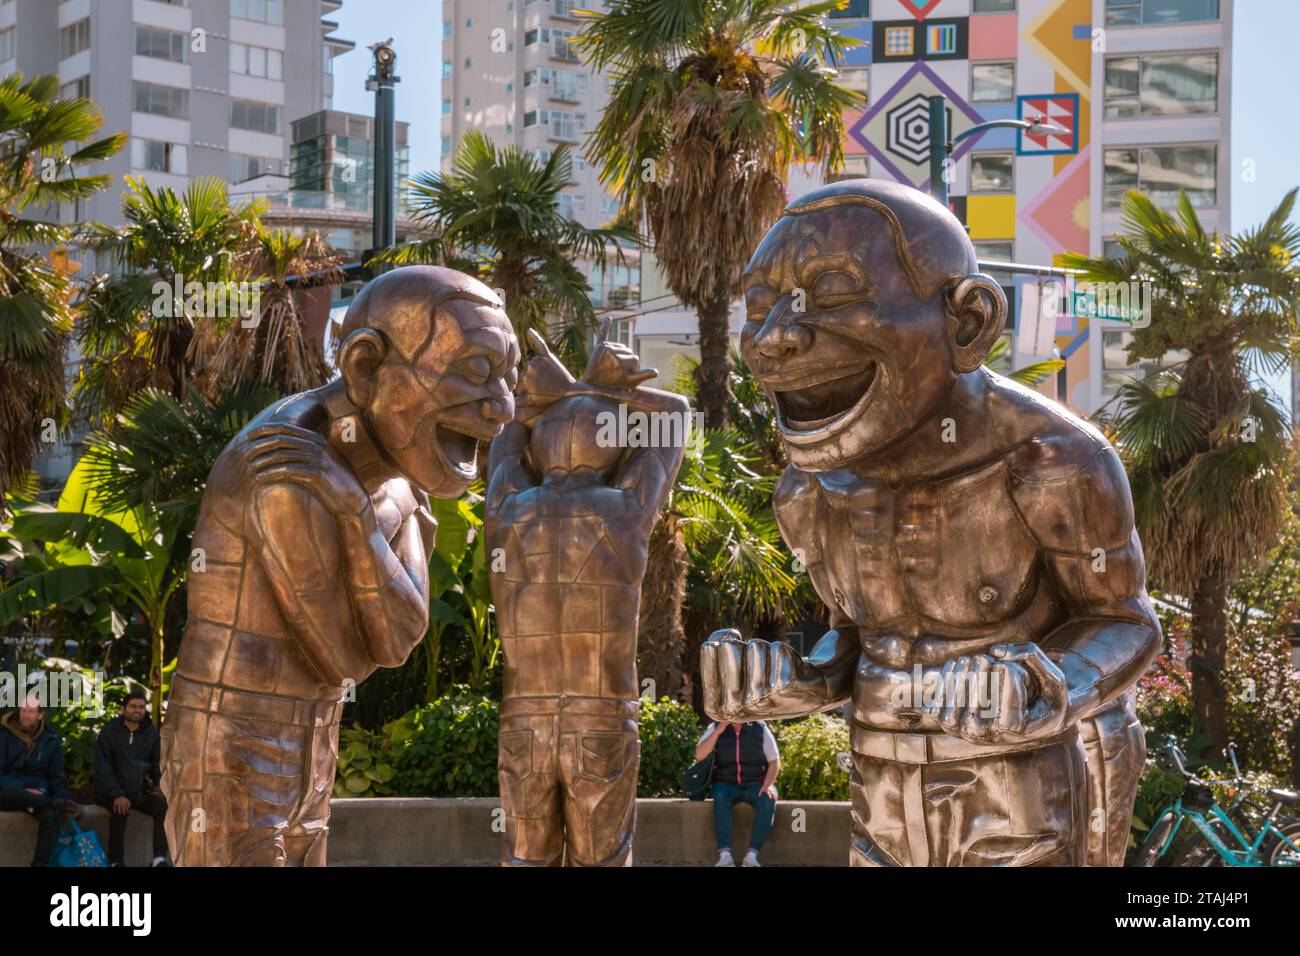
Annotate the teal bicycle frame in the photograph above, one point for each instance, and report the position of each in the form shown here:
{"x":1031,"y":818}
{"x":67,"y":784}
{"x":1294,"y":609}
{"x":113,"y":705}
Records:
{"x":1246,"y":853}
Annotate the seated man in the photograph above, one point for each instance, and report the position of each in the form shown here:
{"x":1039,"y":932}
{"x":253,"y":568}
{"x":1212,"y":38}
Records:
{"x":746,"y":762}
{"x":31,"y":773}
{"x":127,"y":774}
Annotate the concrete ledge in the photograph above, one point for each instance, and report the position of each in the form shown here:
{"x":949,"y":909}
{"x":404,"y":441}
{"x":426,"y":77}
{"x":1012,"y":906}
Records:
{"x":18,"y":835}
{"x":407,"y":831}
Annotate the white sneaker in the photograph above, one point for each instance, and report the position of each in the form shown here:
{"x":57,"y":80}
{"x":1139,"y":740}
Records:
{"x":751,"y":859}
{"x":724,"y":859}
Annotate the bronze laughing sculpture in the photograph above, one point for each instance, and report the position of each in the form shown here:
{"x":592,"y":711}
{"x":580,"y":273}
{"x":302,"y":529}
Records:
{"x":568,"y":518}
{"x":973,"y":541}
{"x":314,"y":535}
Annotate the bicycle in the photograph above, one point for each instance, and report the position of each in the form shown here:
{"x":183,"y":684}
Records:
{"x":1223,"y":841}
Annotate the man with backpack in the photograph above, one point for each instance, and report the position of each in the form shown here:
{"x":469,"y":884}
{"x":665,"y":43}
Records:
{"x":32,"y":775}
{"x":127,"y":776}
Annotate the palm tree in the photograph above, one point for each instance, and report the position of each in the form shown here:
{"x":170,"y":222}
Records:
{"x":1207,"y":450}
{"x":151,"y":461}
{"x":496,"y":215}
{"x":711,"y":102}
{"x":36,"y":174}
{"x":716,"y":558}
{"x":133,"y":336}
{"x":277,"y":348}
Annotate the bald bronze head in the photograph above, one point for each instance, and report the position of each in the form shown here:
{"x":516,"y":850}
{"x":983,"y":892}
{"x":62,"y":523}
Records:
{"x":429,"y":358}
{"x":864,"y":305}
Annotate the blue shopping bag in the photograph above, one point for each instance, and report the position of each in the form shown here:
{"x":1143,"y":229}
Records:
{"x":78,"y":848}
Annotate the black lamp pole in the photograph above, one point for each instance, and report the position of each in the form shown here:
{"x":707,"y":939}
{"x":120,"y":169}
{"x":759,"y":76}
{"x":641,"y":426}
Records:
{"x":383,"y":80}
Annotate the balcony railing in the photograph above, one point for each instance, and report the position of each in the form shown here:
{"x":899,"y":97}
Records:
{"x":568,"y":130}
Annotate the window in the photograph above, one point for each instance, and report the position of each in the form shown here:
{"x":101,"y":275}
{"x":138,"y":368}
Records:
{"x":572,"y":205}
{"x":78,"y":89}
{"x":854,"y":78}
{"x":1111,"y":249}
{"x":853,"y":10}
{"x":444,"y":146}
{"x":992,"y":82}
{"x":162,"y":44}
{"x":1160,"y":172}
{"x":262,"y":11}
{"x":7,"y":44}
{"x":1117,"y":371}
{"x":247,"y":167}
{"x":994,"y":6}
{"x":1163,"y":85}
{"x":161,"y":100}
{"x":74,"y":38}
{"x":855,"y":167}
{"x":446,"y":29}
{"x":446,"y":68}
{"x":1127,"y":12}
{"x":159,"y":157}
{"x":258,"y":117}
{"x":468,"y":23}
{"x":256,"y":61}
{"x":991,"y":172}
{"x":534,"y":117}
{"x":468,"y":62}
{"x":467,"y":102}
{"x":446,"y":107}
{"x":993,"y":251}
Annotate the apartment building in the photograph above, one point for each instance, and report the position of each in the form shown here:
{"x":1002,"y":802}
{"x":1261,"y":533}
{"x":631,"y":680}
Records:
{"x":509,"y":70}
{"x":204,"y":87}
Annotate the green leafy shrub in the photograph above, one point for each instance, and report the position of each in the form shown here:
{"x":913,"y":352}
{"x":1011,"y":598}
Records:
{"x":669,"y":732}
{"x":365,"y":765}
{"x":810,"y":750}
{"x":1156,"y":790}
{"x":447,"y":748}
{"x":1164,"y":700}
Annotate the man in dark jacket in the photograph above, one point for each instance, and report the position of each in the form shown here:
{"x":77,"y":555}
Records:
{"x":127,"y":775}
{"x":32,"y":776}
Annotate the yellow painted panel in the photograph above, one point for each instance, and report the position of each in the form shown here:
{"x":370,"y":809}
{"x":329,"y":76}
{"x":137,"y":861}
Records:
{"x":991,"y":217}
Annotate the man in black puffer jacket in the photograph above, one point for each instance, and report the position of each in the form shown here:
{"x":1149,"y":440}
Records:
{"x":32,"y":775}
{"x":127,"y":776}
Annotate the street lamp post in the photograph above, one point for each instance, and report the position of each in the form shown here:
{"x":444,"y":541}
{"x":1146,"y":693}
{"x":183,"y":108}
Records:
{"x":942,"y":143}
{"x":382,"y":80}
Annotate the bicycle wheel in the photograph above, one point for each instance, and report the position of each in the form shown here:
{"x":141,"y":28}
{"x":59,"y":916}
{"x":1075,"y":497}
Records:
{"x":1278,"y":853}
{"x":1149,"y":853}
{"x":1197,"y":851}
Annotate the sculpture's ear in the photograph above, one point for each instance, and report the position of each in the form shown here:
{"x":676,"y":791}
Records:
{"x":977,"y":312}
{"x":360,"y":356}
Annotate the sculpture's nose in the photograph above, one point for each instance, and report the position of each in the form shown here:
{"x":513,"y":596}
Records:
{"x":499,"y":411}
{"x":781,"y":336}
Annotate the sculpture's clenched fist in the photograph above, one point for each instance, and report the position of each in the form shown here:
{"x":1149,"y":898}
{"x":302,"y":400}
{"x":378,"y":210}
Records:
{"x":1017,"y":694}
{"x":752,"y":680}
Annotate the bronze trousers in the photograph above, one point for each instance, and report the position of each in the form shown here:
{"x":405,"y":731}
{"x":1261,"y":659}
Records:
{"x":248,"y":777}
{"x":568,"y":772}
{"x":934,"y":800}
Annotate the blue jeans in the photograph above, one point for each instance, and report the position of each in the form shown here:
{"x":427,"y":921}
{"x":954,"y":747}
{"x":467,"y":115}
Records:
{"x":726,"y":796}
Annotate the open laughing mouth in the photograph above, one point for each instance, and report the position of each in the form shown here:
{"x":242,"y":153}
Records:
{"x":820,"y":404}
{"x":458,"y":450}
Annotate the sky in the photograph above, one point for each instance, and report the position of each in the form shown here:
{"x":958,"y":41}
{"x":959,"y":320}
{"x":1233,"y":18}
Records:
{"x":416,"y":29}
{"x":1265,"y":120}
